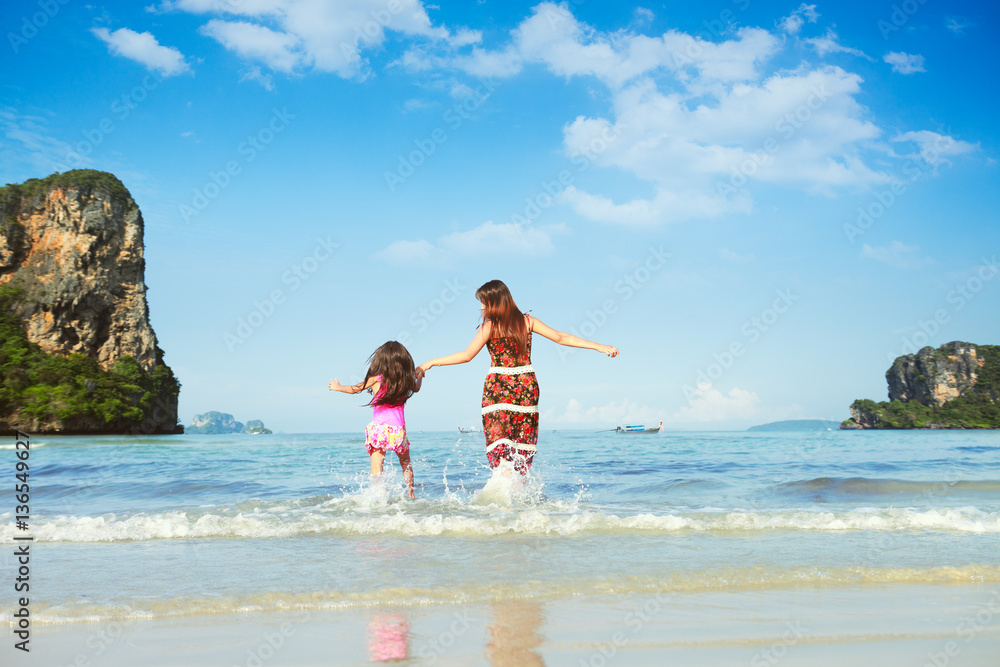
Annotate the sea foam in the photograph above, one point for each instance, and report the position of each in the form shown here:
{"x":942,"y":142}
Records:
{"x":491,"y":512}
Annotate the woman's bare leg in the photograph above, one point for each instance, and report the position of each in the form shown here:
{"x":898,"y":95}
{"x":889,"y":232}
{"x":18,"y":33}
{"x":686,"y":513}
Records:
{"x":377,"y":458}
{"x":404,"y":462}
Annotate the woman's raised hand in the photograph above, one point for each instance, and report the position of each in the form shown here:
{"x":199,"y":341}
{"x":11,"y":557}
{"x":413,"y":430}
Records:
{"x":335,"y":384}
{"x":609,"y":350}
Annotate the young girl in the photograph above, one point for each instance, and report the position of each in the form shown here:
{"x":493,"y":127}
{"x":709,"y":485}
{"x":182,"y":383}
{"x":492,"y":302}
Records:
{"x":392,"y":379}
{"x":510,"y":393}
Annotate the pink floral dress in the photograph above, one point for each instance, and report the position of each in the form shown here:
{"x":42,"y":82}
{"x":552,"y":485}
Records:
{"x":510,"y":405}
{"x":387,"y":430}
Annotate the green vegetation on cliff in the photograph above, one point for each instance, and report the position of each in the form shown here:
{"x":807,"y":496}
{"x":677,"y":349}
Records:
{"x":977,"y":408}
{"x":74,"y":393}
{"x":81,"y":179}
{"x":956,"y":413}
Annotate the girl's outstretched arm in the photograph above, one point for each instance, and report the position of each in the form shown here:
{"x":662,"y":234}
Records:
{"x":352,"y":388}
{"x":466,"y":355}
{"x":570,"y":340}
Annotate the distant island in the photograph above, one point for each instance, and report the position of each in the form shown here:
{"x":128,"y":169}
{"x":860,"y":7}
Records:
{"x":797,"y":425}
{"x":955,"y":386}
{"x":77,"y":352}
{"x":220,"y":422}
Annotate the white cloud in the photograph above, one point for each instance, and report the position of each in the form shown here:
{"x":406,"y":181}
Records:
{"x":143,"y":48}
{"x":26,"y":147}
{"x":488,"y":240}
{"x":552,"y":36}
{"x":503,"y":239}
{"x":643,"y":16}
{"x":957,"y":26}
{"x":609,"y":415}
{"x":324,"y":35}
{"x":692,"y":117}
{"x":277,"y":50}
{"x":461,"y":91}
{"x":897,"y":255}
{"x":408,"y":253}
{"x":735,"y":257}
{"x":695,"y":122}
{"x":828,"y":44}
{"x":464,"y":37}
{"x":904,"y":63}
{"x":665,"y":207}
{"x":794,"y":21}
{"x":240,"y":7}
{"x":479,"y":63}
{"x":708,"y":408}
{"x":699,"y":157}
{"x":414,"y":104}
{"x":254,"y":73}
{"x":707,"y":404}
{"x":933,"y":148}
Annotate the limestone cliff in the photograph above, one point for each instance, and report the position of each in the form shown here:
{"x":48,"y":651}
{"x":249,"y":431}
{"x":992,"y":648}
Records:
{"x":954,"y":386}
{"x":213,"y":422}
{"x":72,"y":274}
{"x":934,"y":377}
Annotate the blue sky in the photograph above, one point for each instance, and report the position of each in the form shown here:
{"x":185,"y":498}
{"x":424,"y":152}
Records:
{"x":760,"y":203}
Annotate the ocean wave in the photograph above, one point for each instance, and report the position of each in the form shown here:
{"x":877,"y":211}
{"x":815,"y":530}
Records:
{"x":457,"y":518}
{"x":676,"y":583}
{"x":860,"y":488}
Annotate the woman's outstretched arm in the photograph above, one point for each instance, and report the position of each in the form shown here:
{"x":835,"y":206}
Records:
{"x":466,"y":355}
{"x":352,"y":388}
{"x":569,"y":339}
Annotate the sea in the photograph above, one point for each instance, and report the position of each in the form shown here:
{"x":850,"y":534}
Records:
{"x":128,"y":530}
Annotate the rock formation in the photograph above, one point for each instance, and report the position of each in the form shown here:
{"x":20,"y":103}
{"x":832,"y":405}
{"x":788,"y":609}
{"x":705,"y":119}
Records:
{"x":71,"y":262}
{"x":954,"y":386}
{"x":222,"y":422}
{"x":214,"y":422}
{"x":934,"y":377}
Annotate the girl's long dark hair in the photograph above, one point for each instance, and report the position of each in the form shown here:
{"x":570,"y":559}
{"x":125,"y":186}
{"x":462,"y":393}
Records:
{"x":393,"y":362}
{"x":499,"y":308}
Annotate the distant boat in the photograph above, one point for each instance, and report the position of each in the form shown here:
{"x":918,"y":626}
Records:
{"x":639,"y":428}
{"x":468,"y":430}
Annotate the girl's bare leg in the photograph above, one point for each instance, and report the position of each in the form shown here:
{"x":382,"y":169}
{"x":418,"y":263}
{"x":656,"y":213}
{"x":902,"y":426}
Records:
{"x":377,"y":458}
{"x":404,"y":462}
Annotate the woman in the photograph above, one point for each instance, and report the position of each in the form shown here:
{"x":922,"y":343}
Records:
{"x":510,"y":393}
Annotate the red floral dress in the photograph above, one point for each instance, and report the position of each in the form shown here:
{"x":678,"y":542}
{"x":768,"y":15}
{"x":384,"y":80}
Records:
{"x":510,"y":405}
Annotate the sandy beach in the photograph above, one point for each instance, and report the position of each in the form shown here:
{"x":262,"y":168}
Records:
{"x":898,"y":625}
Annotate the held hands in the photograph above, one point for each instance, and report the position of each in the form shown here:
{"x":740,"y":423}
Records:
{"x":420,"y":372}
{"x":609,"y":350}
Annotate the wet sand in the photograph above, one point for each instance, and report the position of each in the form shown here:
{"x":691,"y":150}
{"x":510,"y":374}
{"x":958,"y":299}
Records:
{"x":873,"y":625}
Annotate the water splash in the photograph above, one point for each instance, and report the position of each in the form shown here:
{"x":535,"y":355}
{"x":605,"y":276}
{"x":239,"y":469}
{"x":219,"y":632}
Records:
{"x":508,"y":488}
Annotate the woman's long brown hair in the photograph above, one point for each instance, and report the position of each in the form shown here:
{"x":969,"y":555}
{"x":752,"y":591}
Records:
{"x":499,"y":308}
{"x":393,"y":362}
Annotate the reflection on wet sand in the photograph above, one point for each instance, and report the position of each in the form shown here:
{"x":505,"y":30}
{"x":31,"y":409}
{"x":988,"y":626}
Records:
{"x":513,"y":634}
{"x":388,"y":638}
